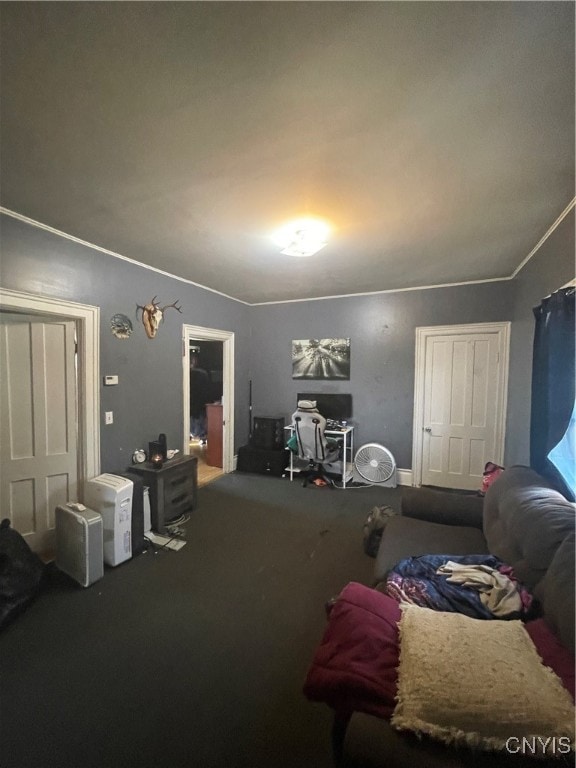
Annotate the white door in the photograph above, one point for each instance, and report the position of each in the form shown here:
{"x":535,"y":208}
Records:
{"x":38,"y":423}
{"x":462,"y":404}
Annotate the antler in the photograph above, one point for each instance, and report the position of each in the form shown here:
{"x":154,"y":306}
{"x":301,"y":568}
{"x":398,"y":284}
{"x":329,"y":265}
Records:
{"x":153,"y":315}
{"x":173,"y":306}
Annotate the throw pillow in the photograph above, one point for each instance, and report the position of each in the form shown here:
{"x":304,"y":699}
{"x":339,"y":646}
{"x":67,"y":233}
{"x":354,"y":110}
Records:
{"x":478,"y":683}
{"x":491,"y":472}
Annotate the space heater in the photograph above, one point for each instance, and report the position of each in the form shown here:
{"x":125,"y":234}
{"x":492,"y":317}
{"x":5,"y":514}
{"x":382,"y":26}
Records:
{"x":79,"y":543}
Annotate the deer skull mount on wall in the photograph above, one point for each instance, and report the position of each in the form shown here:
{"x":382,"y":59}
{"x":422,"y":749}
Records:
{"x":153,"y":314}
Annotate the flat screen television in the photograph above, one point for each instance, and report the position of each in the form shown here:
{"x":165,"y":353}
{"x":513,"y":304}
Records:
{"x":332,"y":406}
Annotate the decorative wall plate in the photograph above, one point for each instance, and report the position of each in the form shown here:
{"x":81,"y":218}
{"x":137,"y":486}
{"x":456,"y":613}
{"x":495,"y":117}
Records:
{"x":121,"y":326}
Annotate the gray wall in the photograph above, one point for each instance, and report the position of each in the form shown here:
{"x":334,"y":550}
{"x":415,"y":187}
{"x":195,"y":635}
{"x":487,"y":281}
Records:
{"x":382,"y":327}
{"x":551,"y":267}
{"x":382,"y":332}
{"x":149,"y":398}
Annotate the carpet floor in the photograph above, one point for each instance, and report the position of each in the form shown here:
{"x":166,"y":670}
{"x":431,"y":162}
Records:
{"x":193,"y":658}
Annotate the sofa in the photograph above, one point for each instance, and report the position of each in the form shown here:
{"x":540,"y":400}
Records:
{"x":525,"y":523}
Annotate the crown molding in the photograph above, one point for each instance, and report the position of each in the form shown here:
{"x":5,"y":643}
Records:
{"x":59,"y":233}
{"x":66,"y":236}
{"x":545,"y":237}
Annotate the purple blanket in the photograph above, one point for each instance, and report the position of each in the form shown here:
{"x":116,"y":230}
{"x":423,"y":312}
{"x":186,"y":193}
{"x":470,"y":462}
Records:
{"x":355,"y":666}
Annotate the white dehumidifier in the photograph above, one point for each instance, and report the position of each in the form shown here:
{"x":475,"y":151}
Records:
{"x":111,"y":495}
{"x":79,"y":543}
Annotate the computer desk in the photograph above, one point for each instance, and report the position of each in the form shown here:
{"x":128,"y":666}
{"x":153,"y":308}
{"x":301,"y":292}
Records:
{"x":347,"y":433}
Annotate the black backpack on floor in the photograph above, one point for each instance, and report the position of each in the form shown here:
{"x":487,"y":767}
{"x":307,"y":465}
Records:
{"x":21,"y":573}
{"x":374,"y":528}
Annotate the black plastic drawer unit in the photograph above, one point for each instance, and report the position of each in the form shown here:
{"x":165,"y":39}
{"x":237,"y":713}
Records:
{"x":172,"y":489}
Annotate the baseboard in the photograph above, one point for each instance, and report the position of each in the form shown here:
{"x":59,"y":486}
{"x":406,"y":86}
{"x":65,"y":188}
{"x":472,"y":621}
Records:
{"x":404,"y":476}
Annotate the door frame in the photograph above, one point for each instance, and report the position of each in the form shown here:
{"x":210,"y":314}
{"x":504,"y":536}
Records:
{"x":87,"y":320}
{"x":199,"y":333}
{"x":502,"y":330}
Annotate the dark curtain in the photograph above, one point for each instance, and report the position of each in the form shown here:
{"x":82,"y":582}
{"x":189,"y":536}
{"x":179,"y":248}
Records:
{"x":552,"y":380}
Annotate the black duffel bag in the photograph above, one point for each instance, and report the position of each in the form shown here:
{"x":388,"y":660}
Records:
{"x":21,"y":573}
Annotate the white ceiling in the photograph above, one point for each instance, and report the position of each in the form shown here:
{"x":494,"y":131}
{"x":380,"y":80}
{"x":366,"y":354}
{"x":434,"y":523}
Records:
{"x":437,"y":137}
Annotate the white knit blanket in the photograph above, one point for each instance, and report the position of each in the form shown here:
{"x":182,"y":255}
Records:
{"x":476,"y":682}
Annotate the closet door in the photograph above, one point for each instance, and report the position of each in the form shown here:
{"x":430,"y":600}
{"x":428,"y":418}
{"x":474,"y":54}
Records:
{"x":462,"y":405}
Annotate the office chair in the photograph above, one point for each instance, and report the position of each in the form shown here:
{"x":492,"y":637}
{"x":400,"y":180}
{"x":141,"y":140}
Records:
{"x":312,"y":444}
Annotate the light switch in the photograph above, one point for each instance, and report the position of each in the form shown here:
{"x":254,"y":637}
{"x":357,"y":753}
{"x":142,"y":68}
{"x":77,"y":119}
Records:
{"x":110,"y":380}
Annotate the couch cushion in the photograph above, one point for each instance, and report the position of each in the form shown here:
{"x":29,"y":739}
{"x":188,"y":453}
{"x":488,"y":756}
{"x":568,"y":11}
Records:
{"x":525,"y":522}
{"x":556,"y":593}
{"x":373,"y":743}
{"x":436,"y":506}
{"x":476,"y":683}
{"x":406,"y":537}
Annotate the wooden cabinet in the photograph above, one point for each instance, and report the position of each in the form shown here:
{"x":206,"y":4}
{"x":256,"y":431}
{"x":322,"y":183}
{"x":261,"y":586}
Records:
{"x":214,"y":420}
{"x":172,"y":489}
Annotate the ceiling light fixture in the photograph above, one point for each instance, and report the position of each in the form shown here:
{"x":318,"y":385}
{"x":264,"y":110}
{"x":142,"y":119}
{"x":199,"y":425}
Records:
{"x":302,"y":237}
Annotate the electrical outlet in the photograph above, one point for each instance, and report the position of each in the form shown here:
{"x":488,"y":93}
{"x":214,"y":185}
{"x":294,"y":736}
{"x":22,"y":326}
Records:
{"x":109,"y":417}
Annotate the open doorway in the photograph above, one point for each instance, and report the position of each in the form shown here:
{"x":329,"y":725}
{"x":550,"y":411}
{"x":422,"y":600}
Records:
{"x":209,"y":400}
{"x":206,"y":391}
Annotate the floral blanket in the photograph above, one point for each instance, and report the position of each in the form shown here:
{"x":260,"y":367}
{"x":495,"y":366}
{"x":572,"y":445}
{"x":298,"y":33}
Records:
{"x":427,"y":581}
